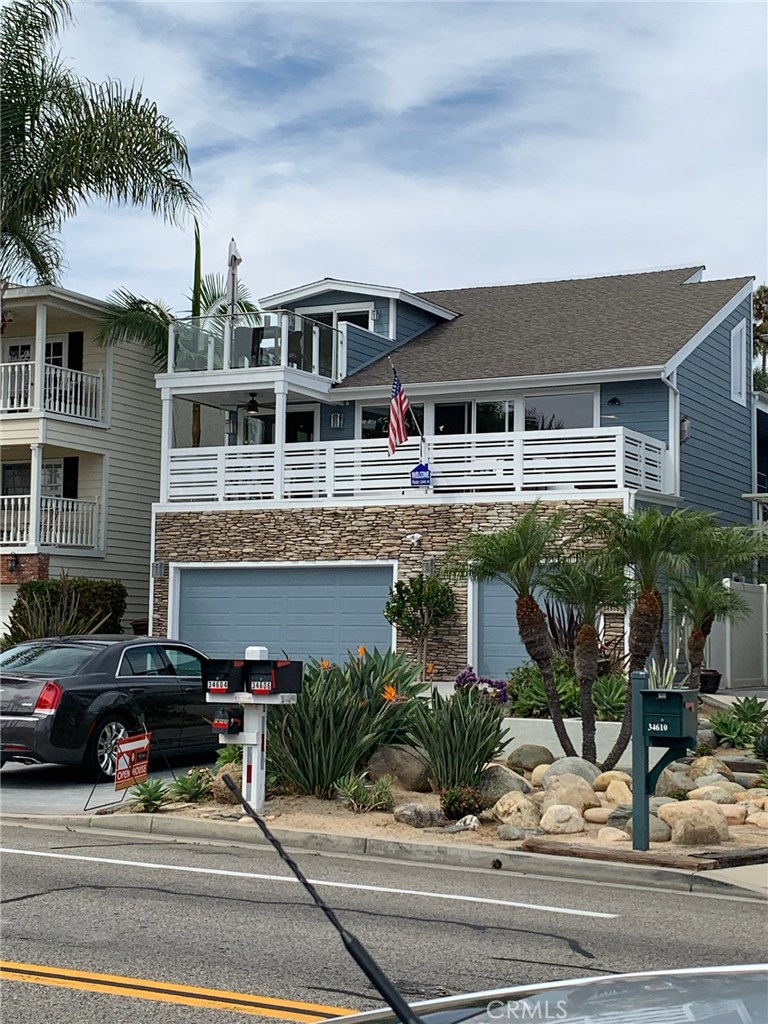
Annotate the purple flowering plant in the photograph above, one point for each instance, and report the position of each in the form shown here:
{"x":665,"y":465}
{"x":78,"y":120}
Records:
{"x":495,"y":689}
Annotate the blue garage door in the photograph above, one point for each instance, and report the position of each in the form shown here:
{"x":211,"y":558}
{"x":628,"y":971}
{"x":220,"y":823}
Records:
{"x":307,"y":612}
{"x":499,"y":645}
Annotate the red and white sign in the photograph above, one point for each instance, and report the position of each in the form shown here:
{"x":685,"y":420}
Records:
{"x":132,"y":760}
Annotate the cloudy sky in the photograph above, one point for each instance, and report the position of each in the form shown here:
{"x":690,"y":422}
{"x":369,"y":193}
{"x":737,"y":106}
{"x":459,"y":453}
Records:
{"x":434,"y":145}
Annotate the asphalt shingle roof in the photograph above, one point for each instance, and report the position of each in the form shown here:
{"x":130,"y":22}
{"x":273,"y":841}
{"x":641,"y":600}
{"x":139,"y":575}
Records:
{"x":598,"y":323}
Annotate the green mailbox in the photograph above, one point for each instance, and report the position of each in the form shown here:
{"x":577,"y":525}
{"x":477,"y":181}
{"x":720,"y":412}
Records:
{"x":669,"y":715}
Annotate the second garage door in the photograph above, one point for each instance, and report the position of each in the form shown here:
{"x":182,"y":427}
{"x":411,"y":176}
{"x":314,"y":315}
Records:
{"x":318,"y":612}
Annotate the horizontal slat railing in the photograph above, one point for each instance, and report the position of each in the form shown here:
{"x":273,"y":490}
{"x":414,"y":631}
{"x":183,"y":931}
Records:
{"x":603,"y":458}
{"x":14,"y":520}
{"x":69,"y":522}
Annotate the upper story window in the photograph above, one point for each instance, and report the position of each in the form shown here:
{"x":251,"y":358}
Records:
{"x":565,"y":411}
{"x":739,"y":363}
{"x":358,"y":313}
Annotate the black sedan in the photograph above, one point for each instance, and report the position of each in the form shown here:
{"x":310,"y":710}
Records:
{"x":68,"y":700}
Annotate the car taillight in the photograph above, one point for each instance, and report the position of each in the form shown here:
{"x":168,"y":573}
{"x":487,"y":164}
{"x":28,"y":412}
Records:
{"x":49,"y":698}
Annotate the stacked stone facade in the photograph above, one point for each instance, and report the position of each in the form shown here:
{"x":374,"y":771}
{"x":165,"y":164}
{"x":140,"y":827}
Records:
{"x":368,"y":533}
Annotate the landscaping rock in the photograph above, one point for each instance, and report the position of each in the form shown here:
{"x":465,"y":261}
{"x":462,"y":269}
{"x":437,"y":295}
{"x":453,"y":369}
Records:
{"x":655,"y":802}
{"x":220,"y":791}
{"x":695,"y":822}
{"x":419,"y":816}
{"x":469,"y":823}
{"x":562,"y":819}
{"x":673,"y":782}
{"x":517,"y":809}
{"x":604,"y":779}
{"x":497,"y":780}
{"x":658,"y":830}
{"x":735,"y":814}
{"x":619,"y":793}
{"x":510,"y":832}
{"x":711,"y":780}
{"x":760,"y":819}
{"x":707,"y":766}
{"x":705,"y":737}
{"x":571,"y":790}
{"x":597,"y":815}
{"x":752,"y":794}
{"x":538,"y":774}
{"x":612,"y":835}
{"x":713,"y":793}
{"x":748,"y":780}
{"x":407,"y":766}
{"x":573,"y":766}
{"x":529,"y":756}
{"x":619,"y":817}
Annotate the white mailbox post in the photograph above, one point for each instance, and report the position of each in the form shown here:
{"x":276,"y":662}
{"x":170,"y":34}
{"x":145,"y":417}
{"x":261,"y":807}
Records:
{"x":247,"y":707}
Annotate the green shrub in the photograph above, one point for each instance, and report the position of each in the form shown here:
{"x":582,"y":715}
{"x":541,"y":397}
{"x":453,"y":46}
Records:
{"x":459,"y":801}
{"x":609,"y":695}
{"x":459,"y":736}
{"x":527,"y":695}
{"x":704,"y":750}
{"x":359,"y":794}
{"x":730,"y":729}
{"x":761,"y":746}
{"x":343,"y":714}
{"x":193,"y":786}
{"x":752,"y":711}
{"x":678,"y":794}
{"x":65,"y":606}
{"x":229,"y":753}
{"x":150,"y":796}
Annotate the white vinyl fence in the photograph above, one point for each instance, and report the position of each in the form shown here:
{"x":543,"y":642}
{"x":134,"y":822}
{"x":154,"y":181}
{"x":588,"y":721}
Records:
{"x":740,"y":650}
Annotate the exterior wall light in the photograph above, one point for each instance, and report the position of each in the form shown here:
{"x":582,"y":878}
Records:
{"x":337,"y":420}
{"x":159,"y":570}
{"x":12,"y":563}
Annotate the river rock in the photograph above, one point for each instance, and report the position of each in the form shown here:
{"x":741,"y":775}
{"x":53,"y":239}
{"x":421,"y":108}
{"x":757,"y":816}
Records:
{"x":710,"y":780}
{"x":597,"y":815}
{"x":674,"y":782}
{"x":749,"y":780}
{"x":220,"y":791}
{"x":619,"y":793}
{"x":573,"y":766}
{"x":538,"y":774}
{"x":407,"y":766}
{"x":562,"y":819}
{"x":708,"y":766}
{"x":695,"y":822}
{"x":604,"y":779}
{"x":529,"y":756}
{"x":496,"y":780}
{"x":571,"y":790}
{"x":735,"y":814}
{"x":510,"y":832}
{"x":760,"y":819}
{"x":713,"y":793}
{"x":655,"y":802}
{"x":611,"y":835}
{"x":469,"y":823}
{"x":752,"y":794}
{"x":516,"y":809}
{"x":619,"y":816}
{"x":705,"y":737}
{"x":658,"y":830}
{"x":420,"y":816}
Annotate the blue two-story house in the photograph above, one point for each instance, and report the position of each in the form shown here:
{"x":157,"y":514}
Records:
{"x":286,"y":521}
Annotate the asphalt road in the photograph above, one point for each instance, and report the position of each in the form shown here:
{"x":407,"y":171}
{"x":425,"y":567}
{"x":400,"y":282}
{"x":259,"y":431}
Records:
{"x":189,"y":914}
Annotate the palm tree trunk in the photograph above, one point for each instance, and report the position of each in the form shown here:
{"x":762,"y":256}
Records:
{"x":661,"y":655}
{"x":696,"y":643}
{"x":643,"y":626}
{"x":585,"y":655}
{"x":532,"y":624}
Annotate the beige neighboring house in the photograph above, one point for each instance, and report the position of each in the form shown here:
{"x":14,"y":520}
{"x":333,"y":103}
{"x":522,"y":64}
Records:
{"x":80,"y":448}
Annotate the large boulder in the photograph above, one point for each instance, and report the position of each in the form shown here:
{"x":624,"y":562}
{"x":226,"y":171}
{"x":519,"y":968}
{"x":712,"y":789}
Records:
{"x":496,"y":780}
{"x":708,"y":766}
{"x":618,"y":793}
{"x":735,"y":814}
{"x":597,"y":815}
{"x":760,"y":819}
{"x":713,"y":793}
{"x":538,"y":774}
{"x":407,"y":766}
{"x":529,"y":755}
{"x":561,"y":819}
{"x":695,"y":822}
{"x":711,"y":780}
{"x":674,"y":782}
{"x":517,"y":809}
{"x":571,"y":790}
{"x":658,"y":830}
{"x":220,"y":791}
{"x":420,"y":816}
{"x":604,"y":779}
{"x":572,"y":766}
{"x":619,"y":817}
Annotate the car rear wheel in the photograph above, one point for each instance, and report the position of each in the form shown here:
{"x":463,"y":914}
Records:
{"x":101,"y":757}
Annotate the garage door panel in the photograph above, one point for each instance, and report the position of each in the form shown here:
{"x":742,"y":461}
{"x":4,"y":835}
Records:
{"x":499,"y":645}
{"x":307,"y":612}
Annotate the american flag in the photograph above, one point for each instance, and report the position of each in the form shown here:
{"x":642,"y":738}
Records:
{"x":398,"y":410}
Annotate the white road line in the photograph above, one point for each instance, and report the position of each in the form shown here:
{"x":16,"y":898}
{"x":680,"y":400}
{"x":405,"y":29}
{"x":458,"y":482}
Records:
{"x":319,"y":882}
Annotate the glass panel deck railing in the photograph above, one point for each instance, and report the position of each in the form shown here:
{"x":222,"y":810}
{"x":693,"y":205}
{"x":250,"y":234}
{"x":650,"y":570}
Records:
{"x":273,"y":338}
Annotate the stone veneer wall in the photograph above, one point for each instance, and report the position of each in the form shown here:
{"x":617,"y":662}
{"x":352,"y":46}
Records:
{"x":322,"y":534}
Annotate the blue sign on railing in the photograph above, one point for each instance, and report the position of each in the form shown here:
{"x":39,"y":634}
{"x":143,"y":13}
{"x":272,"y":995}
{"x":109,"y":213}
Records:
{"x":421,"y":475}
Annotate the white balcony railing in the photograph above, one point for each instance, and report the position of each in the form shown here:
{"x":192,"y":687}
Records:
{"x":67,"y":392}
{"x":63,"y":523}
{"x":604,"y":458}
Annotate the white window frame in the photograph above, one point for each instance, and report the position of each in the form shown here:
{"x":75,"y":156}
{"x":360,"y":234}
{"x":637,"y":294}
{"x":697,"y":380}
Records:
{"x":739,"y":363}
{"x":52,"y":339}
{"x":48,"y":464}
{"x":339,"y":308}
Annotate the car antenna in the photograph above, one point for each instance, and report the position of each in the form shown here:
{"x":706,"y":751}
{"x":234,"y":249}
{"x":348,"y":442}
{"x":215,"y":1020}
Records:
{"x":353,"y":945}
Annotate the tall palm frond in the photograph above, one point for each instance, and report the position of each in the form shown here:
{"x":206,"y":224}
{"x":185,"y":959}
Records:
{"x":130,"y":317}
{"x":213,"y":298}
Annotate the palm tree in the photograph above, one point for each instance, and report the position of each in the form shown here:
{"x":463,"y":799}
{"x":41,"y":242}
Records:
{"x":701,"y":600}
{"x":521,"y":556}
{"x":649,"y":544}
{"x":66,"y":141}
{"x":760,"y":326}
{"x":588,"y":584}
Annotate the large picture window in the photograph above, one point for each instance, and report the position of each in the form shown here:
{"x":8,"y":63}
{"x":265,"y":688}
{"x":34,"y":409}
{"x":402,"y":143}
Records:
{"x":559,"y":412}
{"x":375,"y":421}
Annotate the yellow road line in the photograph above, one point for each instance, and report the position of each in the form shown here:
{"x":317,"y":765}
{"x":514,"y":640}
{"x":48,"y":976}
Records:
{"x":166,"y":992}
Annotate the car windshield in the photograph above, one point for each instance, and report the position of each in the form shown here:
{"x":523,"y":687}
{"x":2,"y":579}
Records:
{"x":712,"y":998}
{"x":45,"y":659}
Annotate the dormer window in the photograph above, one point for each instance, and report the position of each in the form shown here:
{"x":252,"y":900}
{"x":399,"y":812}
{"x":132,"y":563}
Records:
{"x":359,"y":313}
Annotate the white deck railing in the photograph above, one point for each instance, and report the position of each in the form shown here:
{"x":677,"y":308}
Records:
{"x":64,"y":522}
{"x":604,"y":458}
{"x":66,"y":392}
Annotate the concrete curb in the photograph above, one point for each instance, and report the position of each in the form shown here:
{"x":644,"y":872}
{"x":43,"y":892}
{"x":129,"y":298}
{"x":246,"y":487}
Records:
{"x":474,"y":857}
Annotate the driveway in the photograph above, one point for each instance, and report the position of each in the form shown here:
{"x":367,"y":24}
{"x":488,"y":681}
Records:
{"x":57,"y":789}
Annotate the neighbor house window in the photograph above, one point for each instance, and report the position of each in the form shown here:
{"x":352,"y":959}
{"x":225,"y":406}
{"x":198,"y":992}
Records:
{"x":559,"y":412}
{"x":375,"y":421}
{"x":739,"y":363}
{"x":360,"y":316}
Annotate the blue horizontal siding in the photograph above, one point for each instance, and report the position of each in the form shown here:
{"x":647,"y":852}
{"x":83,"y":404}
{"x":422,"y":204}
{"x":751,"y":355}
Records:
{"x":344,"y":433}
{"x":644,"y":407}
{"x":716,"y":462}
{"x":364,"y":346}
{"x":412,"y":321}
